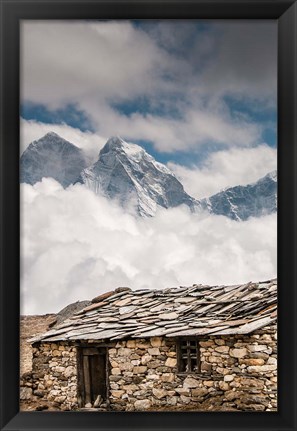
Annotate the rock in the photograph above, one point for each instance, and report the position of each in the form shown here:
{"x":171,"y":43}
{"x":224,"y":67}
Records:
{"x":206,"y":343}
{"x":145,"y":359}
{"x":228,"y":378}
{"x":257,"y":347}
{"x":126,"y":366}
{"x":124,"y":351}
{"x":60,"y":399}
{"x":131,"y":344}
{"x":88,"y":406}
{"x":184,"y":399}
{"x":152,"y":376}
{"x":142,"y":404}
{"x":182,"y":391}
{"x":139,"y":370}
{"x":159,"y":393}
{"x":170,"y":362}
{"x":171,"y":354}
{"x":238,"y":353}
{"x":261,"y":368}
{"x":25,"y":393}
{"x":252,"y":361}
{"x":167,"y":377}
{"x":220,"y":342}
{"x":206,"y":367}
{"x":224,"y":386}
{"x":232,"y":395}
{"x":259,"y":355}
{"x":130,"y":388}
{"x":70,"y":371}
{"x":208,"y":383}
{"x":156,"y":341}
{"x":172,"y":401}
{"x":114,"y":385}
{"x":115,"y":371}
{"x":39,"y":393}
{"x":142,"y":344}
{"x":199,"y":392}
{"x":189,"y":382}
{"x":117,"y":394}
{"x":57,"y":353}
{"x":222,"y":349}
{"x":168,"y":316}
{"x":272,"y":361}
{"x":135,"y":356}
{"x":154,"y":351}
{"x":235,"y":384}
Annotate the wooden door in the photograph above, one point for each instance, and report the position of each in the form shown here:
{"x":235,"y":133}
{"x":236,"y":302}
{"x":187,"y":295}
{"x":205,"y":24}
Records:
{"x":93,"y":375}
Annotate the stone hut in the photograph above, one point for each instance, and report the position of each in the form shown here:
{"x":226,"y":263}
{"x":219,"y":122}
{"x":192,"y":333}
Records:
{"x":199,"y":347}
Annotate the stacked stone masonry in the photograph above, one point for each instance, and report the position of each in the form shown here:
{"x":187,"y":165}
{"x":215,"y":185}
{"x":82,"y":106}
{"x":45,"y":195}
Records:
{"x":54,"y":375}
{"x":238,"y":372}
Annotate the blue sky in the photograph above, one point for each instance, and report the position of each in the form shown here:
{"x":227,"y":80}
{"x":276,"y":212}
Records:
{"x":181,"y":89}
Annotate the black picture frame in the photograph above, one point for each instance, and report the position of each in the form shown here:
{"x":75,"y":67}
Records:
{"x":285,"y":12}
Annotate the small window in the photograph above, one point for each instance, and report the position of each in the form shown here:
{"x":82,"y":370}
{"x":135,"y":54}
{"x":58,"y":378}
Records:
{"x":188,"y":355}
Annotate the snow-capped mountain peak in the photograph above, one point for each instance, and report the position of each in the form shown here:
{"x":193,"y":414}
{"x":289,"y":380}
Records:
{"x":242,"y":202}
{"x":54,"y":157}
{"x":126,"y":172}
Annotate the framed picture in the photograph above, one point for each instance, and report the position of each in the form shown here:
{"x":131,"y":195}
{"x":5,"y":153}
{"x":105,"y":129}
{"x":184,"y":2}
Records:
{"x":148,"y":215}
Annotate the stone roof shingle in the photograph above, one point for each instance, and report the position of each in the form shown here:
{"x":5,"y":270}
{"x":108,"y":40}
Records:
{"x":183,"y":311}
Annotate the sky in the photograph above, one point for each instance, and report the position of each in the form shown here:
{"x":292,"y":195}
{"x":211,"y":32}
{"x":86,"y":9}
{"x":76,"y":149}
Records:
{"x":200,"y":96}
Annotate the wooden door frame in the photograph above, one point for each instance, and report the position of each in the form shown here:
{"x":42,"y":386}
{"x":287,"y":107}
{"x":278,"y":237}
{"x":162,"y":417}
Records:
{"x":80,"y":374}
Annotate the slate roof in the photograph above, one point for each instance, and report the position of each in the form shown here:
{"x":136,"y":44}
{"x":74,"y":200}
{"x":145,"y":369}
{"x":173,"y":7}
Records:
{"x":183,"y":311}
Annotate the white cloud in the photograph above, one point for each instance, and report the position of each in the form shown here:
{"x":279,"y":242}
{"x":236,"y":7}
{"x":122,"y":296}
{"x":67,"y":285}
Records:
{"x":66,"y":61}
{"x":97,"y":65}
{"x":75,"y":245}
{"x":225,"y":169}
{"x":91,"y":143}
{"x":197,"y":127}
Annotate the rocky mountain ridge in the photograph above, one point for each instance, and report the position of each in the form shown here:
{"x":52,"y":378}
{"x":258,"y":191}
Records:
{"x":127,"y":173}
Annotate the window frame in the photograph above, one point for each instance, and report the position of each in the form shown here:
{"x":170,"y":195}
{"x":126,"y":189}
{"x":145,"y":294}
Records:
{"x":180,"y":360}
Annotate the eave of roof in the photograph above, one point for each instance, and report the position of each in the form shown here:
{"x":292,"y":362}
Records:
{"x":184,"y":311}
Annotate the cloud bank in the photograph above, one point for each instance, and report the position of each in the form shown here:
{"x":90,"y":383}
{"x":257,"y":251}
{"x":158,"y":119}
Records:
{"x":236,"y":166}
{"x":76,"y":245}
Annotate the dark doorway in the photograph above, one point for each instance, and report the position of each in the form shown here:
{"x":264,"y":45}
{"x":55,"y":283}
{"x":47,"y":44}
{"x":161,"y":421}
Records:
{"x":92,"y":376}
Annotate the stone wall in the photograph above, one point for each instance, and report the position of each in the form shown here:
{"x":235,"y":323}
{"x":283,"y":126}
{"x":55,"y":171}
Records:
{"x":54,"y":375}
{"x":237,"y":373}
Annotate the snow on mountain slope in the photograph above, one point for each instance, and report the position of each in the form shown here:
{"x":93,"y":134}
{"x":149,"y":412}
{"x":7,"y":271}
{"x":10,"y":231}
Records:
{"x":243,"y":202}
{"x":126,"y":172}
{"x":51,"y":156}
